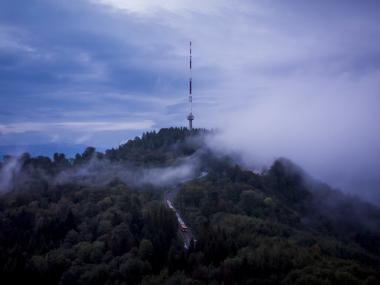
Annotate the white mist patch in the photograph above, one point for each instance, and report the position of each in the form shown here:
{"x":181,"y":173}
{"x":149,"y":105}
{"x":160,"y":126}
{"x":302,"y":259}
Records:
{"x":169,"y":175}
{"x":102,"y":172}
{"x":7,"y":172}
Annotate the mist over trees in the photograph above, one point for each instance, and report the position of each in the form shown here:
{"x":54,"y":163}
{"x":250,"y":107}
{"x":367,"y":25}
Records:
{"x":275,"y":227}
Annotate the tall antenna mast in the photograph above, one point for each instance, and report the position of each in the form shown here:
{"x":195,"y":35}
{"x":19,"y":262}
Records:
{"x":190,"y":117}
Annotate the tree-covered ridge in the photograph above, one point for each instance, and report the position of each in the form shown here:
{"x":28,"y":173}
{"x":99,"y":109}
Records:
{"x":151,"y":148}
{"x":268,"y":229}
{"x":275,"y":227}
{"x":160,"y":147}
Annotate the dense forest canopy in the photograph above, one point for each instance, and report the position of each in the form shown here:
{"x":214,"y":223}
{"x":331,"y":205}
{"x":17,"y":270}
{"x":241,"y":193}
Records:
{"x":81,"y":221}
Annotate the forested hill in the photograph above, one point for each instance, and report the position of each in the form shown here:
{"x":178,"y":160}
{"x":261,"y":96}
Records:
{"x":99,"y":218}
{"x":161,"y":147}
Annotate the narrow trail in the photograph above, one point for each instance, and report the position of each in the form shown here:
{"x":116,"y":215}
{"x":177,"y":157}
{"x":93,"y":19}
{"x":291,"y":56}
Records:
{"x":183,"y":229}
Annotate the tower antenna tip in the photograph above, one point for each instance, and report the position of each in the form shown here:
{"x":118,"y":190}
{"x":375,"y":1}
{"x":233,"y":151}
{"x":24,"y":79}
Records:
{"x":190,"y":117}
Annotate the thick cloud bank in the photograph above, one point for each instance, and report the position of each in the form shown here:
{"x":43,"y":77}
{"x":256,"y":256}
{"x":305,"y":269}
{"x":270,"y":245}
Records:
{"x":328,"y":128}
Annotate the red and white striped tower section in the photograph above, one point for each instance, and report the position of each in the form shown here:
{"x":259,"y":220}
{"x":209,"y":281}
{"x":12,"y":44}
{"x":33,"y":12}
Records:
{"x":190,"y":117}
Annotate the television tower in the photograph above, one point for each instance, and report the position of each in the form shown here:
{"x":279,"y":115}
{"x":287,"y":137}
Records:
{"x":190,"y":117}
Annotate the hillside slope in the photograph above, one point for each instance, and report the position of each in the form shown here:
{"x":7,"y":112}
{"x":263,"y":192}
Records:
{"x":81,"y":221}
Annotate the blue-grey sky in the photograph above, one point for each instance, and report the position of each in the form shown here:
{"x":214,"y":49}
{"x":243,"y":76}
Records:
{"x":290,"y":78}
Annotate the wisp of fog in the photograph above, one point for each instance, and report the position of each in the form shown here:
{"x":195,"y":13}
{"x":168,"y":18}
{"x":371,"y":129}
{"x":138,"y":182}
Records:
{"x":100,"y":172}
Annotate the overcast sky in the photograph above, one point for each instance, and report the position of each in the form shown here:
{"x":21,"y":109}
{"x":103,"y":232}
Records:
{"x":290,"y":78}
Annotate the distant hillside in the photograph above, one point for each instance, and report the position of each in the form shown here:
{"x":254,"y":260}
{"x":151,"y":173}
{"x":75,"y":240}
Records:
{"x":87,"y":220}
{"x":42,"y":149}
